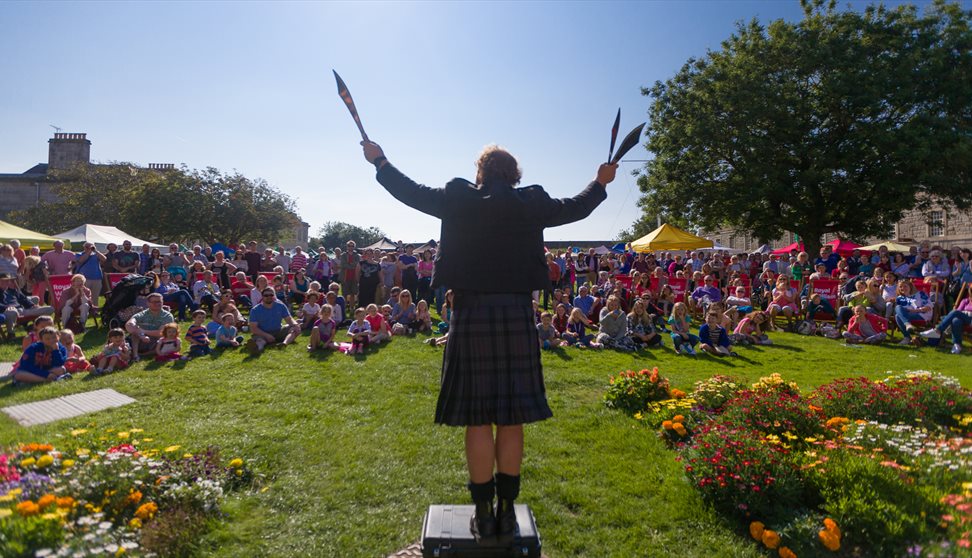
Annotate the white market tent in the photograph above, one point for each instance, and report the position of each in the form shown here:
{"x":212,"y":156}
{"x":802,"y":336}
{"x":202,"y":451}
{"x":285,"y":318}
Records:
{"x":101,"y":236}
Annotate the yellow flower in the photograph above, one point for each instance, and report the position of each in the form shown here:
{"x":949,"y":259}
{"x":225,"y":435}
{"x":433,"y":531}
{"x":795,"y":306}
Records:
{"x":171,"y":449}
{"x":785,"y":552}
{"x":78,"y":431}
{"x":148,"y":439}
{"x":67,"y":463}
{"x":239,"y":472}
{"x":637,"y":416}
{"x":27,"y":462}
{"x":771,"y":539}
{"x":135,"y":523}
{"x":136,"y":430}
{"x":236,"y":463}
{"x":81,"y":452}
{"x":49,"y":516}
{"x":123,"y":435}
{"x":4,"y":512}
{"x":45,"y":461}
{"x":756,"y":530}
{"x":187,"y":456}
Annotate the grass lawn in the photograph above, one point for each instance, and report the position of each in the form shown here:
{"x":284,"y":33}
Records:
{"x":351,"y":458}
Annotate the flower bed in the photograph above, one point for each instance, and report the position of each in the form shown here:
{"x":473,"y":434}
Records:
{"x":110,"y":493}
{"x":853,"y":468}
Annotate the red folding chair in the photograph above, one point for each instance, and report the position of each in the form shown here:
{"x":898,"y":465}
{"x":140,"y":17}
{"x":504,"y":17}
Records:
{"x":829,"y":290}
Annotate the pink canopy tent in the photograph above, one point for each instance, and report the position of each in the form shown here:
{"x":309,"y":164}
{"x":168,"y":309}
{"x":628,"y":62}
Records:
{"x":842,"y":247}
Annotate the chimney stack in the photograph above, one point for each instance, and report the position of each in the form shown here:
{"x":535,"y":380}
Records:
{"x":161,"y":166}
{"x":67,"y":149}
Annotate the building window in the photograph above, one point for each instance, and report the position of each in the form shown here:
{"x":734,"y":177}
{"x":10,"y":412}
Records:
{"x":936,"y":223}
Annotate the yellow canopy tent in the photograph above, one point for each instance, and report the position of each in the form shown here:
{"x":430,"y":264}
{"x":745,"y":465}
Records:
{"x":668,"y":237}
{"x":27,"y":238}
{"x":892,"y":247}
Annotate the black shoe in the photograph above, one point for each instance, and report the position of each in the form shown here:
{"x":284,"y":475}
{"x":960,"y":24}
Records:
{"x":505,"y":519}
{"x":482,"y":524}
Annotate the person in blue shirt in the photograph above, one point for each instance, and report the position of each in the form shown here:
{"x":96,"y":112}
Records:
{"x":43,"y":361}
{"x":713,"y":337}
{"x":584,"y":300}
{"x":265,"y":323}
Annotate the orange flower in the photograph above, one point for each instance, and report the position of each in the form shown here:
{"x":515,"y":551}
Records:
{"x":678,"y":394}
{"x":756,"y":530}
{"x":679,"y":428}
{"x":829,"y":540}
{"x":816,"y":409}
{"x":65,"y":502}
{"x":771,"y":539}
{"x":32,"y":447}
{"x":831,"y":525}
{"x":45,"y":501}
{"x":134,"y":497}
{"x":667,"y":424}
{"x":785,"y":552}
{"x":678,"y":418}
{"x":146,"y":511}
{"x":28,"y":508}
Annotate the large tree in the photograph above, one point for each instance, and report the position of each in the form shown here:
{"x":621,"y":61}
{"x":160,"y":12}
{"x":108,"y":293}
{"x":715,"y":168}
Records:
{"x":836,"y":124}
{"x":170,"y":205}
{"x":335,"y":234}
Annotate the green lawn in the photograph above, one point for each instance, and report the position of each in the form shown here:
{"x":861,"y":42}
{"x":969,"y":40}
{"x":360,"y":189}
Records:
{"x":351,"y":458}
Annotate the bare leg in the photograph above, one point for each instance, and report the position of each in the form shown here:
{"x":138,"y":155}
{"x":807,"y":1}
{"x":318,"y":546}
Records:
{"x":480,"y":453}
{"x":509,"y":449}
{"x":28,"y":378}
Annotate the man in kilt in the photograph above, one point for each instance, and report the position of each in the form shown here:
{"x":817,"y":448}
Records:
{"x":491,"y":373}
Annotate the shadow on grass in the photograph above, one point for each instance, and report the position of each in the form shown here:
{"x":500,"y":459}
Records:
{"x":787,"y":347}
{"x":560,"y":353}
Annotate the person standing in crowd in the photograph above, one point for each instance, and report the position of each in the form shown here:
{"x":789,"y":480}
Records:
{"x":299,"y":259}
{"x":127,"y":260}
{"x":408,"y":267}
{"x":491,"y":372}
{"x":88,"y":262}
{"x":370,"y":279}
{"x":253,"y":261}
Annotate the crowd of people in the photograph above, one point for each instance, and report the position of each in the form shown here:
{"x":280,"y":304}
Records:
{"x":622,"y":301}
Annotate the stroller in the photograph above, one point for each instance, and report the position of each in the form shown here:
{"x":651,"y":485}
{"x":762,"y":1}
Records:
{"x":120,"y":303}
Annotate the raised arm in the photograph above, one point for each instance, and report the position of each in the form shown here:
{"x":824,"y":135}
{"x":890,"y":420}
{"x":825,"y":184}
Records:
{"x":402,"y":188}
{"x":554,"y":212}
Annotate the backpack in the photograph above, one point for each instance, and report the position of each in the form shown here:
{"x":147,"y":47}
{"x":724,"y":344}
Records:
{"x":806,"y":327}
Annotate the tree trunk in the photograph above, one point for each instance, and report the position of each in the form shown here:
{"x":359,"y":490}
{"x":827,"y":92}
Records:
{"x":811,"y":242}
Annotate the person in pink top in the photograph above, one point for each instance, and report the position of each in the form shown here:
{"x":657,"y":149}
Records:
{"x":866,"y":327}
{"x":58,"y":260}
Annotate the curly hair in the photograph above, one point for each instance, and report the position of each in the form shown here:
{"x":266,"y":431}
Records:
{"x":496,"y":164}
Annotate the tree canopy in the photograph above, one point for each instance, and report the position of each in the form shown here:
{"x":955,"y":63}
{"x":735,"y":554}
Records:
{"x":838,"y":123}
{"x":337,"y":234}
{"x":172,"y":205}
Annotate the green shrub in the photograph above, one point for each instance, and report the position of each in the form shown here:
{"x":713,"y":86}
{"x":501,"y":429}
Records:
{"x":632,"y":391}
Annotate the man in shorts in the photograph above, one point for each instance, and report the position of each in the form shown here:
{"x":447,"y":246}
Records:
{"x":265,"y":323}
{"x":145,"y":327}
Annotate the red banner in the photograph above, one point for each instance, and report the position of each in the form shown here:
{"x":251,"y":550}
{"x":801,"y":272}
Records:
{"x":59,"y":284}
{"x":827,"y":288}
{"x":114,"y":279}
{"x":678,"y":286}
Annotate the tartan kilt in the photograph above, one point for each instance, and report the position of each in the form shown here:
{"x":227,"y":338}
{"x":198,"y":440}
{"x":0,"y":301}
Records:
{"x":491,"y":372}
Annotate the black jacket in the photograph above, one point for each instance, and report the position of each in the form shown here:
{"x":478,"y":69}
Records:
{"x":492,"y":234}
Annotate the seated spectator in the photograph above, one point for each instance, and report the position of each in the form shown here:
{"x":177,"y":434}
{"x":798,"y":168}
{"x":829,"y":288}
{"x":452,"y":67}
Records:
{"x":403,"y":313}
{"x":205,"y":291}
{"x":751,"y":329}
{"x":866,"y":327}
{"x":324,"y":330}
{"x":958,"y":319}
{"x":145,"y":327}
{"x":227,"y":334}
{"x":308,"y":313}
{"x":560,"y":317}
{"x":584,"y":300}
{"x":15,"y":305}
{"x":76,"y":297}
{"x":742,"y":302}
{"x":713,"y":338}
{"x":265,"y":323}
{"x":337,"y":311}
{"x":260,"y":283}
{"x":380,"y":328}
{"x":851,"y":301}
{"x":546,"y":332}
{"x":936,"y":267}
{"x":910,"y":305}
{"x":76,"y":362}
{"x":641,"y":327}
{"x":576,"y":334}
{"x":613,"y":326}
{"x":299,"y":286}
{"x":784,"y":300}
{"x":8,"y":263}
{"x":175,"y":295}
{"x":43,"y":361}
{"x":706,"y":294}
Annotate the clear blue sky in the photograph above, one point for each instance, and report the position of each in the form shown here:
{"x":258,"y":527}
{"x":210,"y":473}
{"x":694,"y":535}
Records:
{"x":248,"y":86}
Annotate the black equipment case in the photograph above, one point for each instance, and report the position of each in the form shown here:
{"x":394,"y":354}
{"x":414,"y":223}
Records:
{"x":445,"y":534}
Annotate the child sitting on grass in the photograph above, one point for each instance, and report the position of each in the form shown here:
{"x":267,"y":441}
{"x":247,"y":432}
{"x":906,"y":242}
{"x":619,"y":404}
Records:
{"x":713,"y":337}
{"x":115,"y":355}
{"x":546,"y":331}
{"x":198,"y":336}
{"x":751,"y":329}
{"x":324,"y":330}
{"x":380,"y":329}
{"x":576,"y":334}
{"x":641,"y":329}
{"x":309,"y":311}
{"x":226,"y":335}
{"x":679,"y":322}
{"x":423,"y":320}
{"x":43,"y":361}
{"x":75,"y":356}
{"x":360,"y":332}
{"x":169,"y":344}
{"x":866,"y":327}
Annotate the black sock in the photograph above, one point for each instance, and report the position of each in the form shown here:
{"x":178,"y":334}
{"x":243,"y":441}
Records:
{"x":507,"y":486}
{"x":483,"y":491}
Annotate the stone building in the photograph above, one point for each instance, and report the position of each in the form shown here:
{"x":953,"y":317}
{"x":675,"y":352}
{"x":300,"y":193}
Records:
{"x":33,"y":186}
